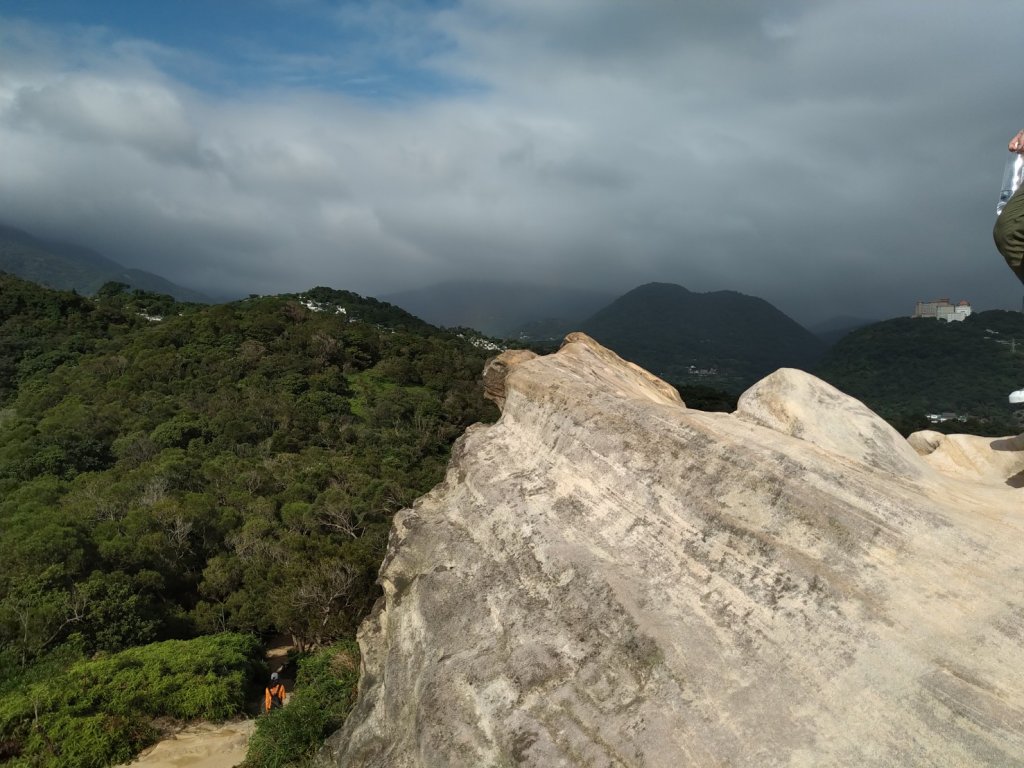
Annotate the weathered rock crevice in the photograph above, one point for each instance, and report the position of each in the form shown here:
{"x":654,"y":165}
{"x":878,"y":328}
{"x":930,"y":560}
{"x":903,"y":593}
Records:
{"x":606,"y":577}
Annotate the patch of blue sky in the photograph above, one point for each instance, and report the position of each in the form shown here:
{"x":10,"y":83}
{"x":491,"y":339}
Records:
{"x":370,"y":49}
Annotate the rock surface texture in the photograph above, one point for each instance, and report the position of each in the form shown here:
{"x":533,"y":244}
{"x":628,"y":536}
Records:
{"x":607,"y":578}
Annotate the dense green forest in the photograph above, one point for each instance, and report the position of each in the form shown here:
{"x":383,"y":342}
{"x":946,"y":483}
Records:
{"x":170,"y":471}
{"x":906,"y":368}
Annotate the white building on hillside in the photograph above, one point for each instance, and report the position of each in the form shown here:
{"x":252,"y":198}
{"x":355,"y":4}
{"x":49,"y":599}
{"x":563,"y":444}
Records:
{"x":943,"y":309}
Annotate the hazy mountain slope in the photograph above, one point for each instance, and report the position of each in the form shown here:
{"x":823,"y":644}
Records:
{"x":67,"y":266}
{"x":500,"y":309}
{"x":666,"y":329}
{"x":922,"y":365}
{"x":832,"y":330}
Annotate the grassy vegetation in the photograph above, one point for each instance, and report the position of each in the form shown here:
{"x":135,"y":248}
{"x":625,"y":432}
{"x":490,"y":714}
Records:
{"x":96,"y":712}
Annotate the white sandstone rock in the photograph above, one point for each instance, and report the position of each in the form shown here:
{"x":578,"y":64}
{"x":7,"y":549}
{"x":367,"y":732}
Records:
{"x":607,"y":578}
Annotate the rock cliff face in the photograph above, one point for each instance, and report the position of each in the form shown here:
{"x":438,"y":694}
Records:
{"x":607,"y":578}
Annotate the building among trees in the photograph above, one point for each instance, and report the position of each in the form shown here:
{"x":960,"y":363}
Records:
{"x":943,"y":309}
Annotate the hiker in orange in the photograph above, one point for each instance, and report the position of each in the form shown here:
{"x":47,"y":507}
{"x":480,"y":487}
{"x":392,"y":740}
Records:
{"x":275,"y":694}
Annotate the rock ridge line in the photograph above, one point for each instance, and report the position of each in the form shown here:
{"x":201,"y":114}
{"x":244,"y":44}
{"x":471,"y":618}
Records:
{"x":606,"y":577}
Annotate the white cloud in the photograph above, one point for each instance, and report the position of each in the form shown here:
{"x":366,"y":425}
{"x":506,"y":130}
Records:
{"x":827,"y":156}
{"x":83,"y":107}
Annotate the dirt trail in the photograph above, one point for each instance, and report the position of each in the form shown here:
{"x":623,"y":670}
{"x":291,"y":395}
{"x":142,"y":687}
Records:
{"x":277,"y":659}
{"x":200,"y":746}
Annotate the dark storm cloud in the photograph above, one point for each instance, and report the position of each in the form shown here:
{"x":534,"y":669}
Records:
{"x":832,"y":157}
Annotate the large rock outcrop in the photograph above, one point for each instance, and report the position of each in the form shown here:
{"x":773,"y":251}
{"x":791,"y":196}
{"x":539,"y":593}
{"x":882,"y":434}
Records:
{"x":607,"y":578}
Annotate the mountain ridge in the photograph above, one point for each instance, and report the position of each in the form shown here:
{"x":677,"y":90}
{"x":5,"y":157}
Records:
{"x":70,"y":266}
{"x":501,"y":309}
{"x":907,"y":366}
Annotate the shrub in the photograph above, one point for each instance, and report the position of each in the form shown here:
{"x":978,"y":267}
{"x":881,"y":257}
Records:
{"x":101,"y":711}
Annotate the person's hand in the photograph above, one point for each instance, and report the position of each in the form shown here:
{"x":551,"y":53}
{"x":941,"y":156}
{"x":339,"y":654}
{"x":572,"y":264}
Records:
{"x":1017,"y":143}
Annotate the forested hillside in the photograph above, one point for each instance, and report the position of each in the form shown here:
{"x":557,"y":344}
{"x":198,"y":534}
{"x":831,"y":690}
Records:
{"x":906,"y":368}
{"x":172,"y":470}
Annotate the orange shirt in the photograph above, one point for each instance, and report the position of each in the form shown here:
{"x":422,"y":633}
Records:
{"x":274,"y":689}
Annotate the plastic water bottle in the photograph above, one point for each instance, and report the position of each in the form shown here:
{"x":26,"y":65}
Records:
{"x":1012,"y":177}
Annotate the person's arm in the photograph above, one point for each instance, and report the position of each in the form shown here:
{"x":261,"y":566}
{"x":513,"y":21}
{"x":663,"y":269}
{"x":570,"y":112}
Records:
{"x":1017,"y":142}
{"x":266,"y":699}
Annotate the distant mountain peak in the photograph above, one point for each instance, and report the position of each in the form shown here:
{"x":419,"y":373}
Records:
{"x":726,"y":338}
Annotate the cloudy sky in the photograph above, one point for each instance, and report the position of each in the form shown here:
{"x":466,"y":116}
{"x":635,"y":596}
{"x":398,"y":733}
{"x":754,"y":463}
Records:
{"x":836,"y":157}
